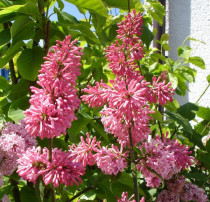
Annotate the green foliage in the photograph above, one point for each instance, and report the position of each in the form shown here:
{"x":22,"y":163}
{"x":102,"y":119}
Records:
{"x":26,"y":28}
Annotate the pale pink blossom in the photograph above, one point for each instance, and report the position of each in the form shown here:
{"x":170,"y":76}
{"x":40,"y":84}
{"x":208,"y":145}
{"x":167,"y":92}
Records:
{"x":191,"y":192}
{"x":8,"y":165}
{"x":11,"y":145}
{"x":85,"y":151}
{"x":63,"y":169}
{"x":19,"y":129}
{"x":111,"y":160}
{"x":5,"y":198}
{"x":165,"y":157}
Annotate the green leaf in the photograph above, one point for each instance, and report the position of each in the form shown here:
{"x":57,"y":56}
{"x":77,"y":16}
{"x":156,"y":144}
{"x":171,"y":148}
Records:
{"x":123,"y":4}
{"x":198,"y":61}
{"x":99,"y":128}
{"x":203,"y":128}
{"x":5,"y":189}
{"x":60,"y":4}
{"x":16,"y":109}
{"x":10,"y":53}
{"x":188,"y":110}
{"x":208,"y":78}
{"x":4,"y":37}
{"x":22,"y":29}
{"x":187,"y":129}
{"x":184,"y":52}
{"x":29,"y":62}
{"x":173,"y":79}
{"x":164,"y":37}
{"x":204,"y":113}
{"x":93,"y":5}
{"x":65,"y":18}
{"x":147,"y":36}
{"x":204,"y":157}
{"x":157,"y":115}
{"x":4,"y":83}
{"x":88,"y":196}
{"x":86,"y":33}
{"x":30,"y":9}
{"x":28,"y":192}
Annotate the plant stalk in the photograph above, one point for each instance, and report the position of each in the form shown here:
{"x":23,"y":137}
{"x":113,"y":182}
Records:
{"x":133,"y":167}
{"x":203,"y":93}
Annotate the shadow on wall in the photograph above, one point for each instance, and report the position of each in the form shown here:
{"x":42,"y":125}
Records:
{"x":179,"y":23}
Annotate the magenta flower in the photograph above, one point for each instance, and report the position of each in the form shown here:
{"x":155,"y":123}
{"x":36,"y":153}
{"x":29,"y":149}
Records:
{"x":124,"y":198}
{"x":160,"y":91}
{"x":63,"y":169}
{"x":111,"y":160}
{"x":52,"y":107}
{"x":84,"y":152}
{"x":32,"y":163}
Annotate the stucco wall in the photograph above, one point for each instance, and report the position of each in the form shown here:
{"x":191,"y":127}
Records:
{"x":191,"y":17}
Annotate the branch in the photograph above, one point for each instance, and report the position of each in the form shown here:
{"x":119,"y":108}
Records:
{"x":133,"y":166}
{"x":11,"y":63}
{"x":80,"y":193}
{"x":16,"y":192}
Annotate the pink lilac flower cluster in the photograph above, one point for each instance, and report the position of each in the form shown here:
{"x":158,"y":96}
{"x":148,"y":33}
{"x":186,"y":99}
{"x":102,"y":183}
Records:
{"x":124,"y":198}
{"x":165,"y":157}
{"x":126,"y":101}
{"x":19,"y":129}
{"x":13,"y":141}
{"x":122,"y":55}
{"x":178,"y":189}
{"x":109,"y":160}
{"x":84,"y":152}
{"x":35,"y":162}
{"x":52,"y":106}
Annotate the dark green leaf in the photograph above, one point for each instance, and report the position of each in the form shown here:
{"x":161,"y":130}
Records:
{"x":16,"y":109}
{"x":26,"y":193}
{"x":4,"y":83}
{"x":198,"y":61}
{"x":147,"y":36}
{"x":4,"y":37}
{"x":93,"y":5}
{"x":22,"y":29}
{"x":10,"y":53}
{"x":188,"y":110}
{"x":29,"y":62}
{"x":204,"y":113}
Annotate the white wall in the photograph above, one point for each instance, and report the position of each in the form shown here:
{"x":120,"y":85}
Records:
{"x":191,"y":17}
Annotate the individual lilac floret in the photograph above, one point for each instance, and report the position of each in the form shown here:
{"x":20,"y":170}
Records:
{"x":111,"y":160}
{"x":5,"y":198}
